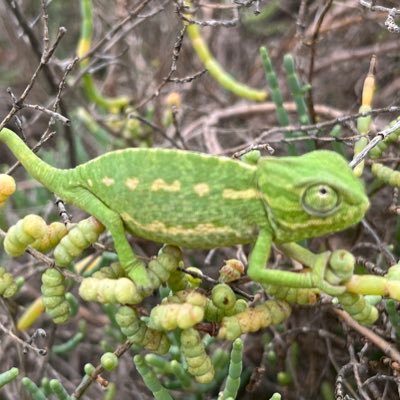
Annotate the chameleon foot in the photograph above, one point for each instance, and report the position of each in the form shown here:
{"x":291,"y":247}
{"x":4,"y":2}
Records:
{"x":318,"y":276}
{"x":137,"y":272}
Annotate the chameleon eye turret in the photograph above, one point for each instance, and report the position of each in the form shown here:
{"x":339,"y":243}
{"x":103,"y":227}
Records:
{"x":320,"y":200}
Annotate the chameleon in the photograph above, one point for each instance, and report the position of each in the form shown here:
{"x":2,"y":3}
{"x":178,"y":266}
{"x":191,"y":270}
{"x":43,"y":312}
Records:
{"x":201,"y":201}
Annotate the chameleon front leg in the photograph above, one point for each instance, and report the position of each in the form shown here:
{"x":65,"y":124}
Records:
{"x":318,"y":263}
{"x":258,"y":272}
{"x":132,"y":265}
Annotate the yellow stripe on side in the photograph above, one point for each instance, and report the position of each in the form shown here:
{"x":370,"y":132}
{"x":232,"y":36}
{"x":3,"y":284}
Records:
{"x":198,"y":230}
{"x":233,"y":194}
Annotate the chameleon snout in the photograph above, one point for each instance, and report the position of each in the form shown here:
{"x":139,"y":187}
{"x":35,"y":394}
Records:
{"x":361,"y":204}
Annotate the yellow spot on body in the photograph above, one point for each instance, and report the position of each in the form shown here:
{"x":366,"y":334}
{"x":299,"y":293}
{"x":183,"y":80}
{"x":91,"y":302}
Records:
{"x":160,"y":184}
{"x":131,"y":183}
{"x":108,"y":181}
{"x":90,"y":182}
{"x":233,"y":194}
{"x":202,"y":189}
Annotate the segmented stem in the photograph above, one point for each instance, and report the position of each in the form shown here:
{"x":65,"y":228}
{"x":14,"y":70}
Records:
{"x":217,"y":72}
{"x":276,"y":96}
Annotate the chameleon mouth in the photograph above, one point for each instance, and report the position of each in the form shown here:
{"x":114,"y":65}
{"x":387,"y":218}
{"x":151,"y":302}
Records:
{"x":363,"y":207}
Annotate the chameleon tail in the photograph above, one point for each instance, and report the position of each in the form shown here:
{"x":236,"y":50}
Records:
{"x":49,"y":176}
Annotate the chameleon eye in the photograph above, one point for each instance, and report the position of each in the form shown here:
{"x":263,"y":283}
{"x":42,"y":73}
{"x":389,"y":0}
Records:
{"x":320,"y":200}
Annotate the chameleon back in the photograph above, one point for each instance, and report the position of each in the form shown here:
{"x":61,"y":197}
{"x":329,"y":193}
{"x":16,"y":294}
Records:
{"x":183,"y":198}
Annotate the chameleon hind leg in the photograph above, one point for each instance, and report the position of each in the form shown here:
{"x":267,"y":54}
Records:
{"x":132,"y":265}
{"x":258,"y":272}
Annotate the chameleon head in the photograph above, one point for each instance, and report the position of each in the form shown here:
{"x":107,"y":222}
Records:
{"x":310,"y":195}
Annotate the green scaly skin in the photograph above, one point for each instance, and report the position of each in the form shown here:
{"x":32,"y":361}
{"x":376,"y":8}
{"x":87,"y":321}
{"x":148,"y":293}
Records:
{"x":195,"y":200}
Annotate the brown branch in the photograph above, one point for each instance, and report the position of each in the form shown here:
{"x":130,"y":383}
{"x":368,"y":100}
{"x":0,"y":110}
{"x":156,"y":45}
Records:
{"x":313,"y":52}
{"x":382,"y":344}
{"x":88,"y":380}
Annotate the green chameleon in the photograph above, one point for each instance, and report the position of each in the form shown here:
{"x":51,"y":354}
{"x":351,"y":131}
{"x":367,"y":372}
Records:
{"x":195,"y":200}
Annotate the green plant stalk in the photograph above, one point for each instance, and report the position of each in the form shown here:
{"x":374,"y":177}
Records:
{"x":337,"y":145}
{"x":86,"y":30}
{"x":360,"y":310}
{"x":393,"y":138}
{"x":276,"y":396}
{"x":53,"y":294}
{"x":198,"y":362}
{"x":298,"y":94}
{"x":93,"y":95}
{"x":217,"y":72}
{"x":32,"y":389}
{"x":386,"y":174}
{"x":375,"y":285}
{"x":69,"y":345}
{"x":158,"y":362}
{"x":327,"y":391}
{"x":235,"y":370}
{"x":276,"y":96}
{"x":363,"y":124}
{"x":219,"y":359}
{"x":100,"y":134}
{"x":59,"y":390}
{"x":45,"y":386}
{"x":178,"y":370}
{"x":8,"y":376}
{"x":138,"y":332}
{"x":111,"y":392}
{"x":393,"y":314}
{"x":151,"y":380}
{"x":73,"y":304}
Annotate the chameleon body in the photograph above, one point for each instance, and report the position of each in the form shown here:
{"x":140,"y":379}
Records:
{"x":195,"y":200}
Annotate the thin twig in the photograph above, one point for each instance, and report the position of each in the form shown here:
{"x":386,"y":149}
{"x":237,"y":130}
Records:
{"x":88,"y":380}
{"x":377,"y":139}
{"x":382,"y":344}
{"x":373,"y":7}
{"x":22,"y":342}
{"x":57,"y":116}
{"x":313,"y":52}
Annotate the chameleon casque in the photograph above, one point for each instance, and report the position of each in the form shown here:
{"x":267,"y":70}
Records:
{"x":196,"y":200}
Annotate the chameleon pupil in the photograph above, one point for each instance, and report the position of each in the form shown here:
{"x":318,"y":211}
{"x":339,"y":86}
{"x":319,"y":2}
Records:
{"x":320,"y":200}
